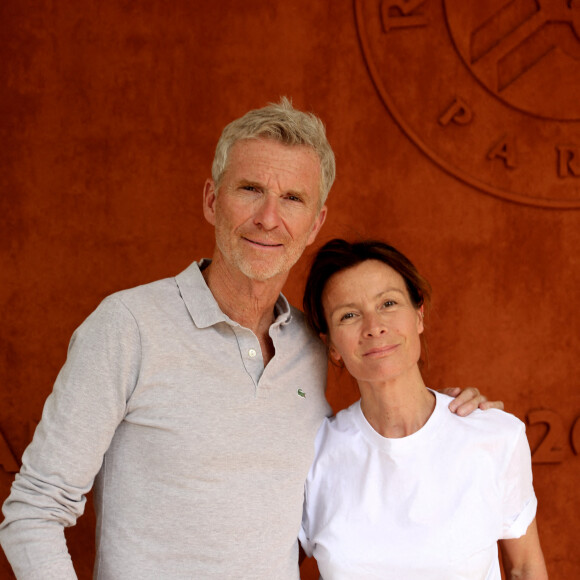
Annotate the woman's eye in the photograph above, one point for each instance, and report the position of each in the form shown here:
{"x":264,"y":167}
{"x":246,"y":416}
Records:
{"x":389,"y":303}
{"x":347,"y":316}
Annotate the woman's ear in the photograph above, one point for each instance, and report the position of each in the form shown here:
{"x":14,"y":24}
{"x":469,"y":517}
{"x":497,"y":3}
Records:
{"x":332,"y":352}
{"x":420,"y":319}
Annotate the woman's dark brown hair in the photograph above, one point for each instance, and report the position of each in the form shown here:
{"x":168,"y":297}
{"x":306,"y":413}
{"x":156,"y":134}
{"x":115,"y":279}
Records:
{"x":338,"y":255}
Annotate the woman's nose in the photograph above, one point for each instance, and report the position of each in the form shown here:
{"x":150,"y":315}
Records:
{"x":374,"y":325}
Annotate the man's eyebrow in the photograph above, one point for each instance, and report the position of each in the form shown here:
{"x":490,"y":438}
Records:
{"x":244,"y":182}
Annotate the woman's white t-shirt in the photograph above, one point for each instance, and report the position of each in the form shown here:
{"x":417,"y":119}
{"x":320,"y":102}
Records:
{"x":430,"y":506}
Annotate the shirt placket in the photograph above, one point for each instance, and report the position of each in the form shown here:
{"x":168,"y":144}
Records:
{"x":250,"y":352}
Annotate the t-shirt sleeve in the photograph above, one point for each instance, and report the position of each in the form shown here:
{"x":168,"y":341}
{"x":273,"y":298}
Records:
{"x":304,"y":533}
{"x":519,"y":499}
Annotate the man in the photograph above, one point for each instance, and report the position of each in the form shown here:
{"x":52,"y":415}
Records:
{"x":192,"y":403}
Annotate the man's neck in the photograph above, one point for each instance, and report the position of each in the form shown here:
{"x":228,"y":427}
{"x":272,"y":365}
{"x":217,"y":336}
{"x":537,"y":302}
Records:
{"x":248,"y":302}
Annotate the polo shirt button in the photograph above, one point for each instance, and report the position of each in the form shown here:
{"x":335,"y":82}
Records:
{"x":252,"y":353}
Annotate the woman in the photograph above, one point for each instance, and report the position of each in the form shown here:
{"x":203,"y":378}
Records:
{"x":401,"y":488}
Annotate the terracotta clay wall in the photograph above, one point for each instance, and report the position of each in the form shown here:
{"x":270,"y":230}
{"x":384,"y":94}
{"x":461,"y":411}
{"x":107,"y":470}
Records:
{"x":456,"y":127}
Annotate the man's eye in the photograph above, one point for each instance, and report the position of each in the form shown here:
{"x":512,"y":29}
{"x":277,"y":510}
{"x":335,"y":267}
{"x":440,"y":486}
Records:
{"x":293,"y":198}
{"x":249,"y":187}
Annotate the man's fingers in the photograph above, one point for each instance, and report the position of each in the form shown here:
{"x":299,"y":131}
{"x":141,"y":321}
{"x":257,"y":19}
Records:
{"x":465,"y":400}
{"x":468,"y":399}
{"x":491,"y":405}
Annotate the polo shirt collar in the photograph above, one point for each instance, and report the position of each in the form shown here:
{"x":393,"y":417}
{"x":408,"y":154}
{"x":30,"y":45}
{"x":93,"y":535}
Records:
{"x":202,"y":306}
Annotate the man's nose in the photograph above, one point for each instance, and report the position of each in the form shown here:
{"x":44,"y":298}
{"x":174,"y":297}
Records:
{"x":268,"y":212}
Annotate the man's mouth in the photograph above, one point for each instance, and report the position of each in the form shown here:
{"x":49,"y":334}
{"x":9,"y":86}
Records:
{"x":263,"y":243}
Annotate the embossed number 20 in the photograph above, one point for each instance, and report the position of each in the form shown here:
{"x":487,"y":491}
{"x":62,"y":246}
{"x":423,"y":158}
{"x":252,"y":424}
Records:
{"x":551,"y":447}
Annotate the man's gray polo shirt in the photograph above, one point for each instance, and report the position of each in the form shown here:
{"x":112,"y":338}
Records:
{"x":199,"y":453}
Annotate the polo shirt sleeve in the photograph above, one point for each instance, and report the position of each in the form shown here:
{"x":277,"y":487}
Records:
{"x":519,"y":499}
{"x":78,"y":422}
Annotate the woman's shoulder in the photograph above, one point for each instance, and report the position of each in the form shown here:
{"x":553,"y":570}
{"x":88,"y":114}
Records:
{"x":335,"y":429}
{"x":343,"y":421}
{"x":491,"y":421}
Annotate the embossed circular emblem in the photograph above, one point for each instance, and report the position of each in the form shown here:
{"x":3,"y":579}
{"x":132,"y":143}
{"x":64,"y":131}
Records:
{"x":489,"y":90}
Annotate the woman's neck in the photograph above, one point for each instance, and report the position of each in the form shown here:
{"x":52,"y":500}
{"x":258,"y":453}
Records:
{"x":397,"y":408}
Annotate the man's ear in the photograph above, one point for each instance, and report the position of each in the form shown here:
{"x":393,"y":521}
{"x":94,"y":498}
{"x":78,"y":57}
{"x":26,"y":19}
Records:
{"x":320,"y":218}
{"x":209,"y":201}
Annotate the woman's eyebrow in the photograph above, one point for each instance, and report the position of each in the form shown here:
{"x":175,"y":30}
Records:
{"x":379,"y":295}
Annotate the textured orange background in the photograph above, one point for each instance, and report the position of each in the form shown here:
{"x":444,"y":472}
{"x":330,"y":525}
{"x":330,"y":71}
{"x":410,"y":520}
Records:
{"x":110,"y":112}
